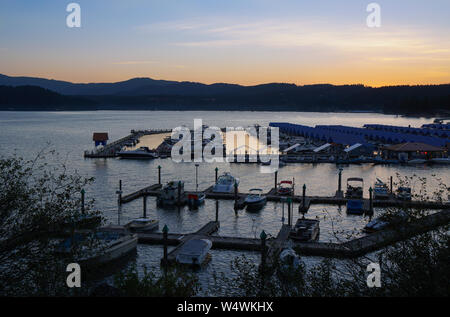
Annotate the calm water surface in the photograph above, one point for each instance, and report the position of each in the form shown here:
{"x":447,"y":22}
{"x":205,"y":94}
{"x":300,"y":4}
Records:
{"x":70,"y":133}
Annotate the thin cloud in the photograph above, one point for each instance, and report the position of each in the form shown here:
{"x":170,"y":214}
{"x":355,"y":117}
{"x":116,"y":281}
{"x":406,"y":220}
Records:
{"x":134,"y":62}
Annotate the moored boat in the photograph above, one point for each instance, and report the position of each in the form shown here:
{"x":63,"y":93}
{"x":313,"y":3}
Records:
{"x":385,"y":221}
{"x":441,"y":160}
{"x":143,"y":225}
{"x":355,"y":207}
{"x":225,"y":183}
{"x":172,"y":194}
{"x":141,"y":153}
{"x":381,"y":190}
{"x":105,"y":246}
{"x":404,"y":193}
{"x":355,"y":187}
{"x":195,"y":200}
{"x":255,"y":200}
{"x":194,"y":252}
{"x":289,"y":260}
{"x":285,"y":188}
{"x":305,"y":230}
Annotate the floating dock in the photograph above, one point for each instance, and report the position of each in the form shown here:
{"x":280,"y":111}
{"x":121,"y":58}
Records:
{"x":154,"y":190}
{"x":350,"y":249}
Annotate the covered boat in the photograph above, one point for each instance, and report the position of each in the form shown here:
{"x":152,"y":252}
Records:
{"x":225,"y":184}
{"x":289,"y":259}
{"x":255,"y":200}
{"x":143,"y":225}
{"x":141,"y":153}
{"x":305,"y":230}
{"x":172,"y":194}
{"x":285,"y":188}
{"x":194,"y":252}
{"x":355,"y":186}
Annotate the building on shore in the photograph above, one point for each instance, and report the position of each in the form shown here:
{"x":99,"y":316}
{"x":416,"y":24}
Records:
{"x":410,"y":150}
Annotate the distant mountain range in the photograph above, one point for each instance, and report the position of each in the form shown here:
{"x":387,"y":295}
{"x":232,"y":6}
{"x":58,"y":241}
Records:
{"x":29,"y":93}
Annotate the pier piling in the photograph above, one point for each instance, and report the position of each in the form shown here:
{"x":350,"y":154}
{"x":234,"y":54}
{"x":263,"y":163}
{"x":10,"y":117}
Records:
{"x":159,"y":174}
{"x":263,"y":237}
{"x":289,"y":201}
{"x":370,"y":201}
{"x":144,"y":204}
{"x":276,"y":179}
{"x":217,"y":170}
{"x":391,"y":184}
{"x":217,"y":210}
{"x":165,"y":261}
{"x":82,"y":200}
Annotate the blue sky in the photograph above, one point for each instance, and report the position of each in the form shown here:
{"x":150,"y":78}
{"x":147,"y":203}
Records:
{"x":246,"y":41}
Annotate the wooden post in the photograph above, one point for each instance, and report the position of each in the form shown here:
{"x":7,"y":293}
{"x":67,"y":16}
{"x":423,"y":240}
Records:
{"x":144,"y":202}
{"x":304,"y":195}
{"x":235,"y":196}
{"x":159,"y":174}
{"x":289,"y":210}
{"x":120,"y":184}
{"x":370,"y":200}
{"x":263,"y":237}
{"x":82,"y":200}
{"x":276,"y":179}
{"x":391,"y":184}
{"x":179,"y":193}
{"x":217,"y":210}
{"x":217,"y":170}
{"x":340,"y":181}
{"x":165,"y":261}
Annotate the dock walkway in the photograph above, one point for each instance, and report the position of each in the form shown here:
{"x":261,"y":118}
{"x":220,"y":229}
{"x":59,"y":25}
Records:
{"x":349,"y":249}
{"x":154,"y":190}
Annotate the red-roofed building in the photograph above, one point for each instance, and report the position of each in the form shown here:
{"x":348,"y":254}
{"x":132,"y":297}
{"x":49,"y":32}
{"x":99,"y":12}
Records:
{"x":413,"y":150}
{"x":100,"y":138}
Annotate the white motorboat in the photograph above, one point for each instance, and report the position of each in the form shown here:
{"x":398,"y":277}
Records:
{"x":194,"y":252}
{"x":441,"y":160}
{"x":255,"y":200}
{"x":141,"y":153}
{"x":385,"y":221}
{"x":225,"y":184}
{"x":143,"y":225}
{"x":195,"y":200}
{"x":381,"y":190}
{"x":100,"y":247}
{"x":172,"y":194}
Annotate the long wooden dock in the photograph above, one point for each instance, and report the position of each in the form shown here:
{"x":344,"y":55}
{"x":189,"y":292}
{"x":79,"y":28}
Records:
{"x":154,"y":190}
{"x":349,"y":249}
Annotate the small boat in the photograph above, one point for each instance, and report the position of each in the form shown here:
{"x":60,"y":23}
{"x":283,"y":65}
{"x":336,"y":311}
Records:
{"x":194,"y":252}
{"x":305,"y":230}
{"x":385,"y":221}
{"x":141,"y":153}
{"x":285,"y":188}
{"x":255,"y":200}
{"x":381,"y":190}
{"x":108,"y":246}
{"x":225,"y":184}
{"x":404,"y":193}
{"x":143,"y":225}
{"x":416,"y":161}
{"x":441,"y":160}
{"x":195,"y":200}
{"x":172,"y":194}
{"x":84,"y":221}
{"x":355,"y":207}
{"x":355,"y":187}
{"x":289,"y":260}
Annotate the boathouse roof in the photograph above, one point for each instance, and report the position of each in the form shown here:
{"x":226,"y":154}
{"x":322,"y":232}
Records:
{"x":100,"y":136}
{"x":413,"y":147}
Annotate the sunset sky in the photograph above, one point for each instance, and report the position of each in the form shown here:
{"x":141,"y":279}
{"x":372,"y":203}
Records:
{"x":237,"y":41}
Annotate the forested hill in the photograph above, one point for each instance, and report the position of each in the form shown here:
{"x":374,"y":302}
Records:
{"x":411,"y":100}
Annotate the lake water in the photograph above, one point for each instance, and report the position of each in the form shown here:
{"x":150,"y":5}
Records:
{"x":70,"y":133}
